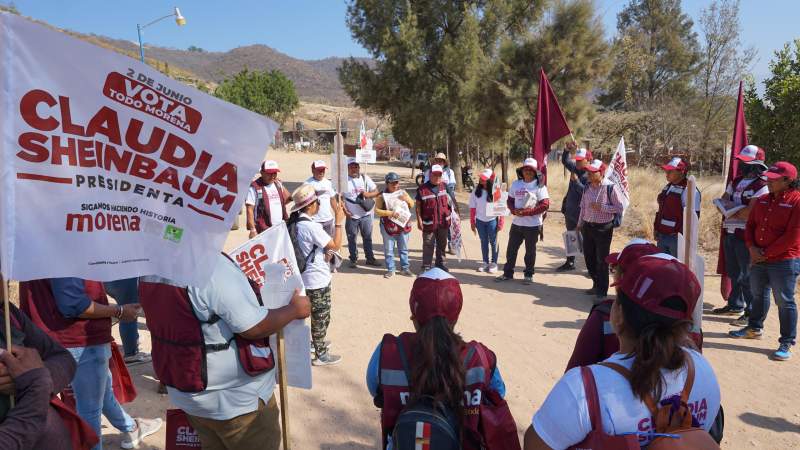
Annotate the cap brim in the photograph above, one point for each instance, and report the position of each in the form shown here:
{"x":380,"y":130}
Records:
{"x":592,"y":169}
{"x":668,"y":167}
{"x":744,"y":158}
{"x":772,"y":175}
{"x":754,"y":162}
{"x":296,"y":207}
{"x":272,"y":170}
{"x":580,"y":158}
{"x":437,"y":171}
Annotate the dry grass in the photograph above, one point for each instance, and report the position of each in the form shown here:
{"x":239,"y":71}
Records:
{"x":645,"y":185}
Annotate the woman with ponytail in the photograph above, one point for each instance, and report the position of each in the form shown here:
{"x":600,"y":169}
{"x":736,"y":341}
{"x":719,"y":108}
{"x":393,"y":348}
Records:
{"x":443,"y":367}
{"x":656,"y":366}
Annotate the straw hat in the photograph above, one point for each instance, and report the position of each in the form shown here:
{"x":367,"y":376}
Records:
{"x":303,"y":196}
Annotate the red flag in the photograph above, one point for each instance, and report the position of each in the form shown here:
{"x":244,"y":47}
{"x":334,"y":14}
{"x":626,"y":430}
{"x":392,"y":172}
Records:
{"x":739,"y":142}
{"x":550,"y":123}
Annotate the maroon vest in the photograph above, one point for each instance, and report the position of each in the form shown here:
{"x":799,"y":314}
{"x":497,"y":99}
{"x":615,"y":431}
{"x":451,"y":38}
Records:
{"x":179,"y":347}
{"x":743,"y":196}
{"x":610,"y":340}
{"x":37,"y":301}
{"x":393,"y":387}
{"x":435,"y":207}
{"x":669,"y":218}
{"x":262,"y":210}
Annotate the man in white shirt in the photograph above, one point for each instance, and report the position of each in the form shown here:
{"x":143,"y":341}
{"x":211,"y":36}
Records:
{"x":360,"y":190}
{"x":326,"y":195}
{"x":528,"y":201}
{"x":235,"y":409}
{"x":266,"y":200}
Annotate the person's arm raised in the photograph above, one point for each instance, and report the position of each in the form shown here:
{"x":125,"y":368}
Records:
{"x":339,"y":217}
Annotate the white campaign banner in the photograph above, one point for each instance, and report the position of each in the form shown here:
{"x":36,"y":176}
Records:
{"x":268,"y":259}
{"x":110,"y":169}
{"x":617,"y":174}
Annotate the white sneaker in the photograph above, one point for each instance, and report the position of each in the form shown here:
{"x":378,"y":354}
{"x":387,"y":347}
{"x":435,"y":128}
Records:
{"x":483,"y":268}
{"x":144,"y":428}
{"x":139,"y":358}
{"x":492,"y":268}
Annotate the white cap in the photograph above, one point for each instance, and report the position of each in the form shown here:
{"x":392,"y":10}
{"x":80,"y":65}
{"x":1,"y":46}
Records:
{"x":319,"y":164}
{"x":486,"y":174}
{"x":595,"y":166}
{"x":436,"y":169}
{"x":530,"y":162}
{"x":270,"y":166}
{"x":351,"y":160}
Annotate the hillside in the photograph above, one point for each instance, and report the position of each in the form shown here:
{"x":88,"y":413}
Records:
{"x":315,"y":81}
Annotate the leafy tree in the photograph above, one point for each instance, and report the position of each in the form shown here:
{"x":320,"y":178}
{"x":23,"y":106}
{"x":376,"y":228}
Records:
{"x":656,"y":53}
{"x":723,"y":63}
{"x":774,"y":120}
{"x":267,"y":93}
{"x":193,"y":48}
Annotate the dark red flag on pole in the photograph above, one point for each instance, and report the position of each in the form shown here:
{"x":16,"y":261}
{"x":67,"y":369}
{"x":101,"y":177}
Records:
{"x":738,"y":143}
{"x":550,"y":123}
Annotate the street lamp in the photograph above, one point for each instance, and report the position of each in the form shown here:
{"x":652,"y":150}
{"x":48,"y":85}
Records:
{"x":179,"y":19}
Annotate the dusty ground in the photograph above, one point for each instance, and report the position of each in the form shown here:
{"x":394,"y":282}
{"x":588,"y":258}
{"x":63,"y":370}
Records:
{"x":532,"y":329}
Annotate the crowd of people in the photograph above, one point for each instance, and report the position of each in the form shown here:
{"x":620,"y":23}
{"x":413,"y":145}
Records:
{"x":635,"y":368}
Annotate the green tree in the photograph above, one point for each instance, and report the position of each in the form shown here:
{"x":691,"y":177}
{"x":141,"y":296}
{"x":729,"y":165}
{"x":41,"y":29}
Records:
{"x":430,"y":57}
{"x":656,"y":53}
{"x":267,"y":93}
{"x":723,"y":63}
{"x":774,"y":119}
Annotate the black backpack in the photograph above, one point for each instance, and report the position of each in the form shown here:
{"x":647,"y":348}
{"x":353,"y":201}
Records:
{"x":291,"y":225}
{"x":425,"y":421}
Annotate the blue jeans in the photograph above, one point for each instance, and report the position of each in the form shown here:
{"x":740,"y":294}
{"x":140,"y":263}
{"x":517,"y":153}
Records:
{"x":737,"y":265}
{"x":668,"y":243}
{"x":353,"y":227}
{"x":126,"y":292}
{"x":389,"y":242}
{"x":780,"y":277}
{"x":487,"y":231}
{"x":94,"y":392}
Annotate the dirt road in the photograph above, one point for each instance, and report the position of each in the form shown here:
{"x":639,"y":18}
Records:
{"x":532,"y":330}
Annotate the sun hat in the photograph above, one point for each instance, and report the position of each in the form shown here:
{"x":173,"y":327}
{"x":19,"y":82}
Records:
{"x":303,"y":196}
{"x":440,"y":155}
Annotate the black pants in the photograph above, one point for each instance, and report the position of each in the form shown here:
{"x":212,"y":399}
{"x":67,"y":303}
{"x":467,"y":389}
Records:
{"x":596,"y":246}
{"x":516,"y":235}
{"x":571,"y":225}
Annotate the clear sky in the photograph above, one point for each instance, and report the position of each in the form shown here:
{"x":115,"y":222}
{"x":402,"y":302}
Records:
{"x":314,"y":29}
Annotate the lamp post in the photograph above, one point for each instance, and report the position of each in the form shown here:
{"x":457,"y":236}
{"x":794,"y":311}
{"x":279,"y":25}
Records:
{"x":179,"y":19}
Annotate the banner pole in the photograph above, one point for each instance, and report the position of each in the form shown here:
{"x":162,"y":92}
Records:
{"x":7,"y":319}
{"x":284,"y":391}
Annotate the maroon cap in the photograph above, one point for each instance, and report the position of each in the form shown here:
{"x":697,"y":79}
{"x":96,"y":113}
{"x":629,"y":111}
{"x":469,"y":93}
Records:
{"x":633,"y":250}
{"x":435,"y":293}
{"x":781,"y":169}
{"x":655,"y":278}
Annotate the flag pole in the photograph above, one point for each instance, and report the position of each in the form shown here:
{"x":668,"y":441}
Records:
{"x":7,"y":319}
{"x":284,"y":391}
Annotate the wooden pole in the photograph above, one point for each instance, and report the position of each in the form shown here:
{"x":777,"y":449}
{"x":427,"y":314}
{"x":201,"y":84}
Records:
{"x":7,"y":320}
{"x":689,"y":223}
{"x":284,"y":392}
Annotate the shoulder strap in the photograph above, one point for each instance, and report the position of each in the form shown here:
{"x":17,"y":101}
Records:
{"x":403,"y":359}
{"x":687,"y":387}
{"x":470,"y":354}
{"x":592,"y":400}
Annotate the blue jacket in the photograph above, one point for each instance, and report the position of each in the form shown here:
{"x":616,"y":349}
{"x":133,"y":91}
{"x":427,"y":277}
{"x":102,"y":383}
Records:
{"x":571,"y":205}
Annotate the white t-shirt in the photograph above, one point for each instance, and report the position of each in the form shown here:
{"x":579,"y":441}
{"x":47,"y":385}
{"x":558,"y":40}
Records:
{"x":325,"y":191}
{"x":519,"y":192}
{"x":230,"y":391}
{"x":356,"y":186}
{"x":318,"y":272}
{"x":563,"y":420}
{"x":448,"y":176}
{"x":480,"y":206}
{"x":254,"y":196}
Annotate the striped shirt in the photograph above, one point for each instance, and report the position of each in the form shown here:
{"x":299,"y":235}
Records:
{"x":608,"y":206}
